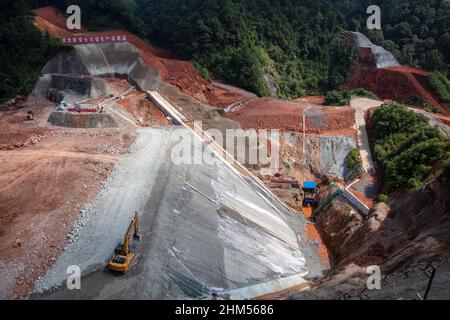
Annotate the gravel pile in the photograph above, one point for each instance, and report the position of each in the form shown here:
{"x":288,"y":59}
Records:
{"x":87,"y":210}
{"x":109,"y":150}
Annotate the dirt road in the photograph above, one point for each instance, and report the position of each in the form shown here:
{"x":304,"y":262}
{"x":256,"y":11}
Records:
{"x":46,"y":174}
{"x":361,"y":105}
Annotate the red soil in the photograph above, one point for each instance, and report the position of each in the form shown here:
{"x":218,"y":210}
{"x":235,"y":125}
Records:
{"x":181,"y":74}
{"x":444,"y":119}
{"x":375,"y":255}
{"x":269,"y":113}
{"x":312,"y":99}
{"x":143,"y":109}
{"x":314,"y":235}
{"x":362,"y":197}
{"x":45,"y":173}
{"x":53,"y":16}
{"x":398,"y":83}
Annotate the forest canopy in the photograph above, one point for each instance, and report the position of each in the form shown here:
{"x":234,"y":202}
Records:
{"x":286,"y":48}
{"x":24,"y":49}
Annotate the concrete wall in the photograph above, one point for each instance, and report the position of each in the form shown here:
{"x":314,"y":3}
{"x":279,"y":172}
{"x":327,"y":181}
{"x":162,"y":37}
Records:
{"x":82,"y":120}
{"x":77,"y":84}
{"x":333,"y":151}
{"x":355,"y":202}
{"x":66,"y":61}
{"x":108,"y":59}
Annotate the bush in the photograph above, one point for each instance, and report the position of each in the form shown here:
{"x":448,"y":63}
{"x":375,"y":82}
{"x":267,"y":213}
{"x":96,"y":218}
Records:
{"x":202,"y":71}
{"x":341,"y":98}
{"x":383,"y":197}
{"x":353,"y":164}
{"x":441,"y":84}
{"x":337,"y":98}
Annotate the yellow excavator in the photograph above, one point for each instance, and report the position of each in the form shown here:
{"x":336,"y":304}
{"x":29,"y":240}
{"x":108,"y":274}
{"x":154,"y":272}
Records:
{"x":29,"y":119}
{"x":30,"y":115}
{"x":123,"y":257}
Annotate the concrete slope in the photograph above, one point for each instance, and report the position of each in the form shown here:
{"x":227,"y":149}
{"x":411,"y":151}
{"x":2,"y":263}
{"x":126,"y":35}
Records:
{"x":383,"y":58}
{"x":105,"y":59}
{"x":204,"y":229}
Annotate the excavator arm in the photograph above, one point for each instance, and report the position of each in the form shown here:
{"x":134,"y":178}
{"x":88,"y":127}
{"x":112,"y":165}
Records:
{"x":133,"y":228}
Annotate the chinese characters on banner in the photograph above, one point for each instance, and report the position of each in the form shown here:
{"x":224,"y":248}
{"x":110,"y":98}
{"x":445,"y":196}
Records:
{"x":95,"y":39}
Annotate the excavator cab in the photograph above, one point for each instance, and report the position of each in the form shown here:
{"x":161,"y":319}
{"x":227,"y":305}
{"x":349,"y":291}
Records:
{"x":309,"y":195}
{"x":309,"y":190}
{"x":30,"y":115}
{"x":123,"y":257}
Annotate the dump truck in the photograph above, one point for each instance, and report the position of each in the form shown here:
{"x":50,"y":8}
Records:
{"x":123,"y":257}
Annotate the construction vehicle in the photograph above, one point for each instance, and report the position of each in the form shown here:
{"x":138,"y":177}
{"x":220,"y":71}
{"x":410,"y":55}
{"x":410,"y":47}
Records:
{"x":30,"y":115}
{"x":61,"y":106}
{"x":309,"y":195}
{"x":123,"y":257}
{"x":29,"y":119}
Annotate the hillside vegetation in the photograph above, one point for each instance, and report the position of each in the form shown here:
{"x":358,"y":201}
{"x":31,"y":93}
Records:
{"x":417,"y":32}
{"x":441,"y":84}
{"x":406,"y":146}
{"x":23,"y":51}
{"x":343,"y":97}
{"x":299,"y":47}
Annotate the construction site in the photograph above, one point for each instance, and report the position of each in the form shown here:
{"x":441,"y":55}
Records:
{"x":87,"y":179}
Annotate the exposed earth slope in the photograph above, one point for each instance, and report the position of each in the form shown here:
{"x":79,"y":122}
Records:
{"x":378,"y":71}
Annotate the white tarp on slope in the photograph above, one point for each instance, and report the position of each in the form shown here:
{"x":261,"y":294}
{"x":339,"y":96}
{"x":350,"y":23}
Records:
{"x":384,"y":58}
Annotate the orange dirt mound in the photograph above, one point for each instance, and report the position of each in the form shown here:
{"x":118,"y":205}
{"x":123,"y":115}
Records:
{"x":181,"y":74}
{"x":312,"y":99}
{"x":143,"y":109}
